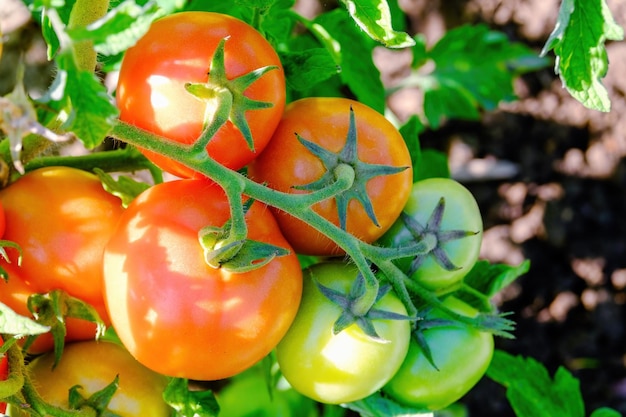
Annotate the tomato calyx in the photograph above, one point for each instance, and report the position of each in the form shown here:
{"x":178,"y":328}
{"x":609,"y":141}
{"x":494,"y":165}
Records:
{"x":5,"y":257}
{"x":219,"y":87}
{"x":52,"y":308}
{"x":98,"y":401}
{"x":340,"y":163}
{"x":349,"y":304}
{"x":223,"y":249}
{"x":431,"y":232}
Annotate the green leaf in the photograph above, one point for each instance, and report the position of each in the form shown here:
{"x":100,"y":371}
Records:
{"x":473,"y":67}
{"x":410,"y":133}
{"x":307,"y":67}
{"x":190,"y":403}
{"x":52,"y":308}
{"x":578,"y":40}
{"x":376,"y":405}
{"x":358,"y":71}
{"x":492,"y":278}
{"x":434,"y":164}
{"x":120,"y":28}
{"x":13,"y":323}
{"x":531,"y":391}
{"x":606,"y":412}
{"x":124,"y":187}
{"x":374,"y":18}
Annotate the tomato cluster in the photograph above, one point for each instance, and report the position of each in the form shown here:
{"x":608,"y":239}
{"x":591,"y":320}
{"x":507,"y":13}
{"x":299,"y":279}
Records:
{"x":168,"y":273}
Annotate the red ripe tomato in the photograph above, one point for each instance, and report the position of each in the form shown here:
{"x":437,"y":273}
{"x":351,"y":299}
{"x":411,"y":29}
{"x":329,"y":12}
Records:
{"x":4,"y":373}
{"x":286,"y":163}
{"x":178,"y":49}
{"x":177,"y":315}
{"x":61,"y":217}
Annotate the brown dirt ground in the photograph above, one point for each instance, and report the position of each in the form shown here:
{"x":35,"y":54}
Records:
{"x":549,"y":176}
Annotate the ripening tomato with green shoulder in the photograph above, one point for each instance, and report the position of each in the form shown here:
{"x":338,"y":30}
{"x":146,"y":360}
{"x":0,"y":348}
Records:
{"x":462,"y":355}
{"x":347,"y":366}
{"x":179,"y":49}
{"x":374,"y":142}
{"x":176,"y":314}
{"x":92,"y":366}
{"x":444,"y":210}
{"x":61,"y":218}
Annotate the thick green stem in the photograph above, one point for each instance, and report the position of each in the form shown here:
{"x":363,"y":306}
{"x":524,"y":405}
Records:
{"x":85,"y":12}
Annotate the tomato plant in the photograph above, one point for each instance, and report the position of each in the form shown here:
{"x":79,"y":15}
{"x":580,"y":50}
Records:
{"x":176,"y":314}
{"x":152,"y":91}
{"x":374,"y":202}
{"x":461,"y":355}
{"x":91,"y":366}
{"x":444,"y":210}
{"x":61,"y":218}
{"x":347,"y":366}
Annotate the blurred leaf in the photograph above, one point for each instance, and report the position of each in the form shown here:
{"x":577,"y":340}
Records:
{"x":358,"y":71}
{"x":434,"y":164}
{"x":473,"y":67}
{"x":190,"y":403}
{"x":532,"y":392}
{"x":124,"y":187}
{"x":120,"y":28}
{"x":377,"y":405}
{"x":578,"y":40}
{"x":307,"y":67}
{"x":410,"y":133}
{"x":374,"y":18}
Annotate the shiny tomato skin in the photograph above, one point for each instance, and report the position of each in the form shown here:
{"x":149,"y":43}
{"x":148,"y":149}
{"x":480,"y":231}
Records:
{"x":176,"y":314}
{"x":178,"y":49}
{"x":348,"y":366}
{"x":94,"y":365}
{"x":461,"y":213}
{"x":462,"y":356}
{"x":61,"y":217}
{"x":286,"y":163}
{"x":4,"y":373}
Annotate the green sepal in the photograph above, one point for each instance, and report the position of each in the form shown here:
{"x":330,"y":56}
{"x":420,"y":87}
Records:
{"x":51,"y":309}
{"x":4,"y":256}
{"x":99,"y":400}
{"x":432,"y":230}
{"x":363,"y":172}
{"x":347,"y":301}
{"x":218,"y":81}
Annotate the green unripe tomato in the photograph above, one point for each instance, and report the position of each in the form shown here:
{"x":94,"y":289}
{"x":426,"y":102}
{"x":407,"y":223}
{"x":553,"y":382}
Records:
{"x":461,"y":354}
{"x":344,"y":367}
{"x":461,"y":212}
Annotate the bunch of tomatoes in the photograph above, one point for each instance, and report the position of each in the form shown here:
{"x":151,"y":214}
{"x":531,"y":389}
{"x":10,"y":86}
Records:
{"x":167,"y":275}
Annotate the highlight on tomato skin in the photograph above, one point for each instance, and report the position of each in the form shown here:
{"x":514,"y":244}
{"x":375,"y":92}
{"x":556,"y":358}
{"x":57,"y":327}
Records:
{"x":325,"y":122}
{"x":176,"y":314}
{"x":177,"y":50}
{"x":344,"y":367}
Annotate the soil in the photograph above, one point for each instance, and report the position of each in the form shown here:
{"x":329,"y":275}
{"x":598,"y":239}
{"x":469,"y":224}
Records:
{"x":549,"y":176}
